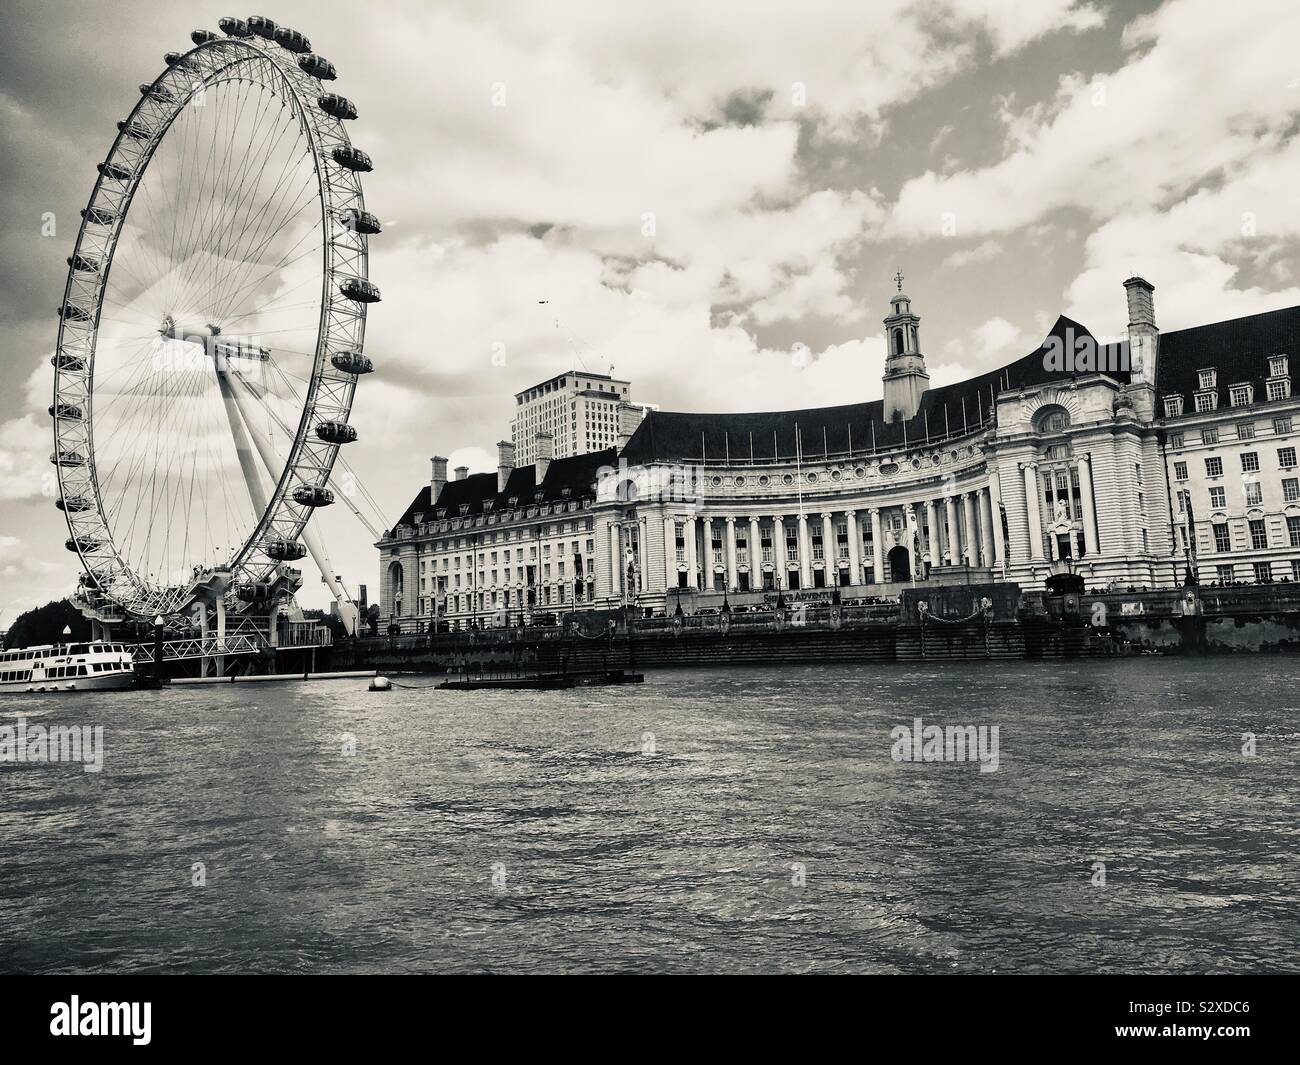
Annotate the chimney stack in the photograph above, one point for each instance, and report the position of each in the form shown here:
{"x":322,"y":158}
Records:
{"x":462,"y":472}
{"x":1143,"y":336}
{"x":545,"y":451}
{"x":505,"y":463}
{"x":438,"y":478}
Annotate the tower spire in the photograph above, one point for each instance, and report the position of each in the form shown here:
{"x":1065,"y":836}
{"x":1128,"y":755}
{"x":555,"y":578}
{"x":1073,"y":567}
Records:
{"x":905,"y":377}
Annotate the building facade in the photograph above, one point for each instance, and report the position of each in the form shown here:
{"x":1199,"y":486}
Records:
{"x":583,"y":412}
{"x":1129,"y":463}
{"x":1230,"y":446}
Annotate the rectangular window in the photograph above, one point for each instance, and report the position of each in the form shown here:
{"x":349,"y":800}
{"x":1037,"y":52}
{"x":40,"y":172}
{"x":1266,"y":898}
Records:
{"x":1214,"y":466}
{"x":1180,"y":471}
{"x":1209,"y":436}
{"x":1286,"y":457}
{"x":1293,"y":529}
{"x":1262,"y":572}
{"x":1282,"y":425}
{"x":1173,"y":406}
{"x":1290,"y":489}
{"x":1175,"y":439}
{"x":1258,"y":534}
{"x":1207,"y":401}
{"x":1279,"y":389}
{"x":1240,"y":395}
{"x":1250,"y":462}
{"x":1218,"y":498}
{"x":1224,"y":573}
{"x":1206,"y":378}
{"x":1254,"y":493}
{"x":1222,"y":539}
{"x":1245,"y":430}
{"x":1277,"y":366}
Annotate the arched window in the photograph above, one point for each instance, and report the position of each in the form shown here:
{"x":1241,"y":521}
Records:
{"x":396,"y":580}
{"x":1052,"y":419}
{"x":898,"y":342}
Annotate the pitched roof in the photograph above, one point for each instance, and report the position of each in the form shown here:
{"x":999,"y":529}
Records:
{"x":1238,"y":349}
{"x":577,"y":473}
{"x":857,"y":427}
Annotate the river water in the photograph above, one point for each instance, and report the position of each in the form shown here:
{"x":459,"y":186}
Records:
{"x":740,"y":820}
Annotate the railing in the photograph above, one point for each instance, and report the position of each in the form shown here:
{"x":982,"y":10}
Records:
{"x":173,"y":650}
{"x":972,"y":426}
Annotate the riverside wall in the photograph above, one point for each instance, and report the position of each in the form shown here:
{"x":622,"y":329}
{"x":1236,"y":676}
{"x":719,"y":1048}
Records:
{"x":975,"y":622}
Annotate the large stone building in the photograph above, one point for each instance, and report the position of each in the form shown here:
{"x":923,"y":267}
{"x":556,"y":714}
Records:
{"x":1127,"y":462}
{"x":582,"y":411}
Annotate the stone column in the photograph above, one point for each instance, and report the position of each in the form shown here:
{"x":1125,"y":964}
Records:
{"x":1090,"y":540}
{"x":877,"y":547}
{"x":995,"y":505}
{"x":615,"y":561}
{"x":855,"y":553}
{"x":830,"y":551}
{"x":986,"y":527}
{"x":755,"y":555}
{"x":805,"y":553}
{"x":911,"y":535}
{"x":968,"y":505}
{"x":730,"y":545}
{"x":692,"y":560}
{"x":670,"y":552}
{"x":932,"y":520}
{"x":778,"y":551}
{"x":1034,"y":512}
{"x":954,"y":538}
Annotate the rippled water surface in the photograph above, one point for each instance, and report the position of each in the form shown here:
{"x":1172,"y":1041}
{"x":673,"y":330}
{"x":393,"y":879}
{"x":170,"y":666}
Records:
{"x":683,"y":860}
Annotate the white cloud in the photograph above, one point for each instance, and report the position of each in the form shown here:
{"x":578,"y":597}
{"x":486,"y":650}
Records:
{"x":1200,"y":93}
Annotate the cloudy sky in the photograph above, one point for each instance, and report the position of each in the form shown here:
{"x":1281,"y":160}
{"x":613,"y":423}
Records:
{"x":711,"y":197}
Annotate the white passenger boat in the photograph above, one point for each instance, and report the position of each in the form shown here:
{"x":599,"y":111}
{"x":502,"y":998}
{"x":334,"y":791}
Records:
{"x":66,"y":668}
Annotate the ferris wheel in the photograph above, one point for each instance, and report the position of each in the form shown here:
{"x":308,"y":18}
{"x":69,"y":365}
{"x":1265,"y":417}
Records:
{"x":212,"y":326}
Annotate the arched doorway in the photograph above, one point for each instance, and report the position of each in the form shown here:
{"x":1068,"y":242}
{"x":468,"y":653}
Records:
{"x":900,"y":564}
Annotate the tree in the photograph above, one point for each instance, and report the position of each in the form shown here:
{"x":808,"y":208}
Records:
{"x":45,"y":624}
{"x":331,"y":621}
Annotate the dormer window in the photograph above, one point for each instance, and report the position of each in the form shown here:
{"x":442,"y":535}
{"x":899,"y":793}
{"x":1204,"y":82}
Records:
{"x":1241,"y":395}
{"x":441,"y":512}
{"x":565,"y":492}
{"x":514,"y":501}
{"x":1207,"y":378}
{"x":487,"y":504}
{"x":1173,"y":406}
{"x":1207,"y":401}
{"x":464,"y":509}
{"x":1277,"y":366}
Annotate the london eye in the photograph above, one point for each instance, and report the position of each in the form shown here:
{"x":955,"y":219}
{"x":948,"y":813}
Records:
{"x":212,"y":329}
